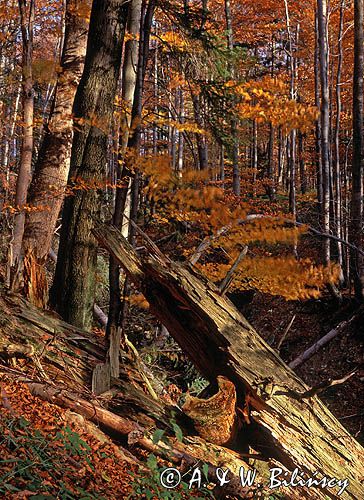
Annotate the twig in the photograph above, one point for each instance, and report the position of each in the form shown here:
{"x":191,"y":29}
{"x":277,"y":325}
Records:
{"x":352,"y":416}
{"x":285,"y":333}
{"x":204,"y":245}
{"x":322,"y":386}
{"x":149,"y":243}
{"x":226,"y":282}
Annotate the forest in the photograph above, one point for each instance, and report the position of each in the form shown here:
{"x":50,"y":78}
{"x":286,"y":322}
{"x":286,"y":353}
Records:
{"x":181,"y":249}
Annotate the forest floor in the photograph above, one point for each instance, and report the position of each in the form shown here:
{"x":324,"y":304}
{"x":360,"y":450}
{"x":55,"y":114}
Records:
{"x":41,"y":448}
{"x":313,"y":319}
{"x":43,"y":454}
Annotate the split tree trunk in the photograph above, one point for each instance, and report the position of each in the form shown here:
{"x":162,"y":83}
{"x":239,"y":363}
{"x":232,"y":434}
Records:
{"x":298,"y":432}
{"x":63,"y":363}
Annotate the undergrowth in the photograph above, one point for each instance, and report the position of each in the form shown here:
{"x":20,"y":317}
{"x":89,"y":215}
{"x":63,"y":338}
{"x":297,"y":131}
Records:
{"x":40,"y":463}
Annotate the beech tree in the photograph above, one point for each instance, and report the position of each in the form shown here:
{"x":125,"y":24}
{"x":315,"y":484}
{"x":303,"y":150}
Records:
{"x":322,"y":16}
{"x":24,"y":176}
{"x":73,"y":289}
{"x":357,"y":168}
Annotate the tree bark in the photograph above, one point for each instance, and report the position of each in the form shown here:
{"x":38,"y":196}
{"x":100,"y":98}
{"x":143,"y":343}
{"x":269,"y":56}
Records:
{"x":234,"y":121}
{"x":116,"y":308}
{"x":318,"y":122}
{"x":123,"y":193}
{"x":73,"y":289}
{"x":303,"y":178}
{"x":337,"y":173}
{"x":47,"y":189}
{"x":357,"y":162}
{"x":200,"y":139}
{"x":25,"y":169}
{"x":322,"y":18}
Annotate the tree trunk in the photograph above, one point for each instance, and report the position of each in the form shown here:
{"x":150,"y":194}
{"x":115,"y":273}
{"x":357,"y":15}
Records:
{"x":291,"y":165}
{"x":47,"y":189}
{"x":234,"y":121}
{"x":337,"y":173}
{"x":25,"y":169}
{"x":255,"y":155}
{"x":292,"y":173}
{"x":357,"y":164}
{"x":303,"y":178}
{"x":318,"y":122}
{"x":200,"y":139}
{"x":73,"y":289}
{"x":129,"y":73}
{"x":271,"y":176}
{"x":217,"y":338}
{"x":180,"y":134}
{"x":123,"y":193}
{"x":116,"y":310}
{"x":325,"y":122}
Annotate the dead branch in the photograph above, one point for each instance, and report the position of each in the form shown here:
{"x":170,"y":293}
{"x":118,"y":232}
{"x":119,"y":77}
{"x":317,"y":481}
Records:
{"x":311,"y":351}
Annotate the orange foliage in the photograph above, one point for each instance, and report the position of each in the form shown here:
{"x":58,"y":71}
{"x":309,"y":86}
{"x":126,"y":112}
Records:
{"x":204,"y":205}
{"x":97,"y":469}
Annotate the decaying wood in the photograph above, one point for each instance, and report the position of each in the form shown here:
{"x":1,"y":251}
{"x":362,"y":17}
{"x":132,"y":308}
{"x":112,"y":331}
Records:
{"x":220,"y":341}
{"x":215,"y":418}
{"x":91,"y":411}
{"x":190,"y":453}
{"x":81,"y":424}
{"x":311,"y":351}
{"x":69,"y":351}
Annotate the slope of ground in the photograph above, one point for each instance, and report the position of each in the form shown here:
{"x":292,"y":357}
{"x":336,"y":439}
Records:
{"x":313,"y":319}
{"x":45,"y":454}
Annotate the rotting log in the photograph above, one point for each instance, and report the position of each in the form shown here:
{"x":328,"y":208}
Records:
{"x":56,"y":361}
{"x":299,"y":433}
{"x":59,"y":364}
{"x":190,"y":453}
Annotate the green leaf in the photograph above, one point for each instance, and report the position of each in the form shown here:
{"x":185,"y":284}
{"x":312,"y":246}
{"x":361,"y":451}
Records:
{"x":205,"y":470}
{"x":152,"y":461}
{"x":157,"y":436}
{"x":178,"y":431}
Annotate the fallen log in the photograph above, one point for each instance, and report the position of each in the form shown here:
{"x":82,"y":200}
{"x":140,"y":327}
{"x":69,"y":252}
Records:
{"x":67,"y":356}
{"x":189,"y":453}
{"x":298,"y":433}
